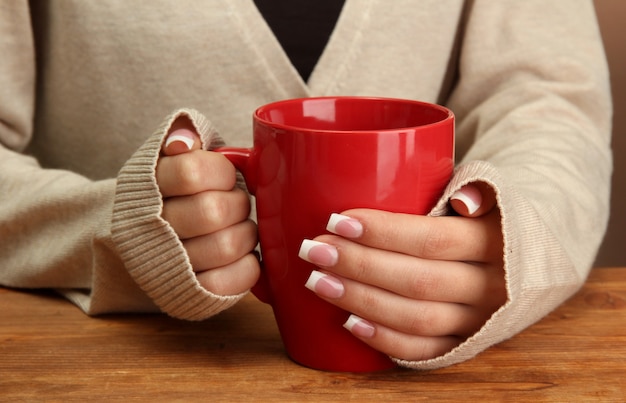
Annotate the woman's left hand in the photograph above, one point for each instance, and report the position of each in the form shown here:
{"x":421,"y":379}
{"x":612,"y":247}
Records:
{"x":416,"y":286}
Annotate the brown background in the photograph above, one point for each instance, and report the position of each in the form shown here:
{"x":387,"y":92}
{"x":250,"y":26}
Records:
{"x":612,"y":17}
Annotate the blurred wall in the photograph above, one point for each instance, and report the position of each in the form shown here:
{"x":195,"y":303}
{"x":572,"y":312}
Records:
{"x":612,"y":18}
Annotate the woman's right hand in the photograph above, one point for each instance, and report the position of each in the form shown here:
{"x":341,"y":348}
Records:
{"x":208,"y":212}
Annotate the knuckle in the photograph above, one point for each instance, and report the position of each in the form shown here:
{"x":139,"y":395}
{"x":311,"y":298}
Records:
{"x":232,"y":279}
{"x":241,"y":198}
{"x":227,"y":247}
{"x":210,"y":281}
{"x":421,"y":350}
{"x":368,"y":303}
{"x":417,"y":351}
{"x":188,"y":171}
{"x":194,"y":171}
{"x":212,"y":209}
{"x":414,"y":349}
{"x":217,"y":283}
{"x":434,"y":243}
{"x":420,"y":322}
{"x":420,"y":286}
{"x":221,"y":169}
{"x":250,"y":234}
{"x":359,"y":267}
{"x":233,"y":244}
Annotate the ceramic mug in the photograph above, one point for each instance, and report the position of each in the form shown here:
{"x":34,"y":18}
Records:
{"x":312,"y":157}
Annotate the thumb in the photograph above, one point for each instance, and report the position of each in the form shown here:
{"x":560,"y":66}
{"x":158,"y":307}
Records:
{"x":473,"y":200}
{"x":182,"y":138}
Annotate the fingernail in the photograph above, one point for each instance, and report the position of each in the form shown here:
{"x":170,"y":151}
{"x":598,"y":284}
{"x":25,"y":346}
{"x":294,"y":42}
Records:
{"x":185,"y":136}
{"x":324,"y":285}
{"x":360,"y":327}
{"x":318,"y":253}
{"x":345,"y":226}
{"x":470,"y":196}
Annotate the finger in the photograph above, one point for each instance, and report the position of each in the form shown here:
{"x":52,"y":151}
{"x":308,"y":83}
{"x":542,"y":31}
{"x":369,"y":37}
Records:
{"x":222,"y":247}
{"x":473,"y":200}
{"x":435,"y":238}
{"x":408,"y":276}
{"x":182,"y":138}
{"x":406,"y":315}
{"x":400,"y":345}
{"x":194,"y":172}
{"x":206,"y":212}
{"x":233,"y":279}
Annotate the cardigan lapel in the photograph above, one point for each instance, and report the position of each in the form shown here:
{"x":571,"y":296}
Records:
{"x":406,"y":50}
{"x":275,"y":63}
{"x":342,"y":46}
{"x":346,"y":34}
{"x":384,"y":49}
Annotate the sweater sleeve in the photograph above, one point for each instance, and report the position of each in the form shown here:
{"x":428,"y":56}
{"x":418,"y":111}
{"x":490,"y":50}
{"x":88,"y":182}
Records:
{"x":533,"y":100}
{"x":101,"y":243}
{"x":148,"y":246}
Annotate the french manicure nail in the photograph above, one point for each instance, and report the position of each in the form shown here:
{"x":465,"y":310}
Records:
{"x":324,"y":285}
{"x":360,"y":327}
{"x":470,"y":196}
{"x":318,"y":253}
{"x":184,"y":136}
{"x":344,"y":226}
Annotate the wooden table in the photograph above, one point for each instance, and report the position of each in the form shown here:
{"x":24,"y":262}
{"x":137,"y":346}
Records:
{"x":50,"y":351}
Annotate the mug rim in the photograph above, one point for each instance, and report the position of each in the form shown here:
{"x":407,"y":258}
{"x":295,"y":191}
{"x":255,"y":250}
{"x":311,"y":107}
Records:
{"x":449,"y":115}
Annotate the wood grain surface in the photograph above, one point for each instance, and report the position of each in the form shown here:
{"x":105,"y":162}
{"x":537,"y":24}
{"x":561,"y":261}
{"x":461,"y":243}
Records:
{"x":51,"y":351}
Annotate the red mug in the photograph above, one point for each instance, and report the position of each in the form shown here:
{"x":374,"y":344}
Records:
{"x":316,"y":156}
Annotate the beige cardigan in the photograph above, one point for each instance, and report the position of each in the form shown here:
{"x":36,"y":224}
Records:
{"x":83,"y":84}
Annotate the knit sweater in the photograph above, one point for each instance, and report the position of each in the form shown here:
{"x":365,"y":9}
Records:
{"x":88,"y":90}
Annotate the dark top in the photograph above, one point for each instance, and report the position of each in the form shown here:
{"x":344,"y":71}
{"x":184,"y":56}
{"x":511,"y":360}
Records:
{"x":302,"y":28}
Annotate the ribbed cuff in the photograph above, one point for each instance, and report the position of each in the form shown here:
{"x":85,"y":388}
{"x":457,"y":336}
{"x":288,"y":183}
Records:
{"x":149,"y":247}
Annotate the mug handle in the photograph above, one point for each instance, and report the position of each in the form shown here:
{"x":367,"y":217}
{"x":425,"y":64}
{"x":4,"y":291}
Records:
{"x":240,"y":158}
